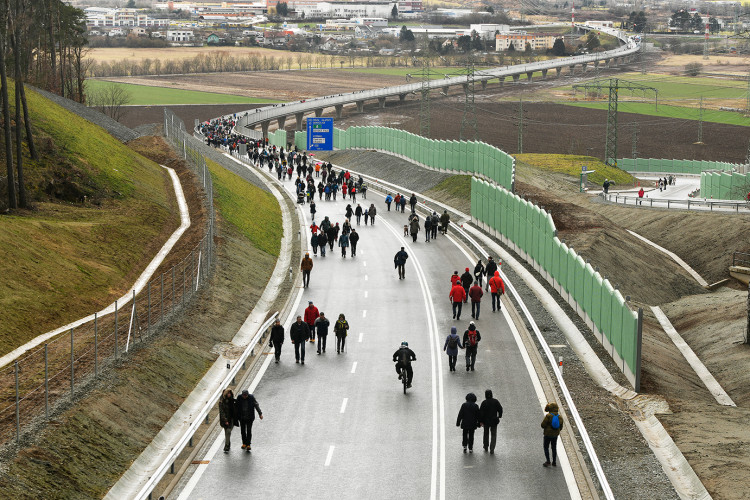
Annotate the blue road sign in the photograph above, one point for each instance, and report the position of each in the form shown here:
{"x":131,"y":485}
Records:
{"x":320,"y":134}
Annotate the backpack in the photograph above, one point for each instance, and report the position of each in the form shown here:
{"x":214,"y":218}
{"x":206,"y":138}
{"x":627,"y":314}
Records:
{"x":473,"y":338}
{"x":453,"y":342}
{"x":555,"y":422}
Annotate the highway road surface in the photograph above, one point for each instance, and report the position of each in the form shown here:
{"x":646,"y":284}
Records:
{"x":340,"y":426}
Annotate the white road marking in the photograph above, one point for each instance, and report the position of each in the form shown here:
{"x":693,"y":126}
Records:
{"x":329,"y":456}
{"x":366,"y":278}
{"x":354,"y":367}
{"x":366,"y":293}
{"x":360,"y":337}
{"x":343,"y":405}
{"x":437,"y":486}
{"x":364,"y":313}
{"x":364,"y":263}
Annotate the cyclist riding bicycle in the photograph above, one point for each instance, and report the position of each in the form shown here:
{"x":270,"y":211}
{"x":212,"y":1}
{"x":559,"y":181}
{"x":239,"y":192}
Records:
{"x":403,"y":358}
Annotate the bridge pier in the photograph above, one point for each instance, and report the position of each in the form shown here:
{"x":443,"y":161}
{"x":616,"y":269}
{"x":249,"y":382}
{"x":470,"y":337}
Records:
{"x":606,"y":63}
{"x":572,"y":69}
{"x":544,"y":74}
{"x":339,"y":108}
{"x":529,"y":75}
{"x":381,"y":102}
{"x":360,"y":106}
{"x":484,"y":84}
{"x":558,"y":70}
{"x":319,"y":112}
{"x":596,"y":64}
{"x":282,"y":121}
{"x":264,"y":127}
{"x":445,"y":89}
{"x":501,"y":81}
{"x":401,"y":97}
{"x":298,"y":117}
{"x":515,"y":78}
{"x":583,"y":67}
{"x":465,"y":86}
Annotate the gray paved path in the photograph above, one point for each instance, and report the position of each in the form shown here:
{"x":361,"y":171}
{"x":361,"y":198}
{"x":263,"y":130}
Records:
{"x":340,"y":425}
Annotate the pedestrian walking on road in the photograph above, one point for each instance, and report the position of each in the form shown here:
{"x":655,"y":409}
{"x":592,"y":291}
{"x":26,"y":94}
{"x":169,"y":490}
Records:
{"x":277,"y":338}
{"x":340,"y":329}
{"x":245,"y":407}
{"x":306,"y":266}
{"x":314,"y":243}
{"x":414,"y":228}
{"x":227,"y":418}
{"x":468,"y":421}
{"x":321,"y":328}
{"x":403,"y":203}
{"x":471,"y":345}
{"x":641,"y":192}
{"x":344,"y":244}
{"x":445,"y":219}
{"x":322,"y":241}
{"x":479,"y":272}
{"x":331,"y":236}
{"x":358,"y":213}
{"x":490,"y":413}
{"x":413,"y":202}
{"x":313,"y":209}
{"x":552,"y":425}
{"x":489,"y":271}
{"x":399,"y":261}
{"x":349,"y":212}
{"x":427,"y":228}
{"x":457,"y":296}
{"x":353,"y":240}
{"x":466,"y":280}
{"x":372,"y":211}
{"x":455,"y":278}
{"x":311,"y":314}
{"x":388,"y":201}
{"x":451,"y":347}
{"x":435,"y":221}
{"x":476,"y":293}
{"x":497,"y":288}
{"x":299,"y":332}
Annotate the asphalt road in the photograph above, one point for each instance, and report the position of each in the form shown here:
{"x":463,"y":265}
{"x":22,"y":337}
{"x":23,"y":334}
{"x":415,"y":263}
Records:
{"x":340,"y":424}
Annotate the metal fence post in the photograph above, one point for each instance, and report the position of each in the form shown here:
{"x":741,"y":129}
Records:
{"x":96,"y":345}
{"x":149,"y":307}
{"x":46,"y":383}
{"x":161,"y":300}
{"x":18,"y":410}
{"x":72,"y":365}
{"x":117,"y":349}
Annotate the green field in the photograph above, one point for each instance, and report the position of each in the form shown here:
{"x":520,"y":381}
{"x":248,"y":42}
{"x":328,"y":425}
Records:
{"x":143,"y":95}
{"x":709,"y":115}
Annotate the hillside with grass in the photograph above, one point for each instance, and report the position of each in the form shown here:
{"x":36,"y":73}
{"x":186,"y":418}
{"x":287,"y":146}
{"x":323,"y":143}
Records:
{"x":99,"y":212}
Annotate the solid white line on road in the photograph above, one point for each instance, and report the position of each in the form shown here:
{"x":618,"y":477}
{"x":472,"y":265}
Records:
{"x":354,"y":367}
{"x":360,"y":337}
{"x":437,"y":486}
{"x":364,"y":313}
{"x":343,"y":405}
{"x":329,"y":456}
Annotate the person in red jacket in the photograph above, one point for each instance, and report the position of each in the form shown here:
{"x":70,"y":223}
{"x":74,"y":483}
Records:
{"x":475,"y":292}
{"x":311,"y":314}
{"x":455,"y":278}
{"x":497,"y":287}
{"x":457,"y":296}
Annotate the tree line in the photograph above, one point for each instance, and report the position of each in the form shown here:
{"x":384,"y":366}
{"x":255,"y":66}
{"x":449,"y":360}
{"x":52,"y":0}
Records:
{"x":42,"y":42}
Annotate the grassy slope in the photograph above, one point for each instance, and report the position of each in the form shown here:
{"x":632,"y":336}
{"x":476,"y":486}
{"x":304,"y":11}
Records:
{"x":143,"y":95}
{"x":62,"y":261}
{"x":93,"y":444}
{"x":571,"y":165}
{"x":709,"y":115}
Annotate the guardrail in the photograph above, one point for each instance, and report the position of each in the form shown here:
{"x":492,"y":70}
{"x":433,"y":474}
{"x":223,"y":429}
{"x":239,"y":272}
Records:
{"x":741,"y":259}
{"x":663,"y":203}
{"x":198,"y":419}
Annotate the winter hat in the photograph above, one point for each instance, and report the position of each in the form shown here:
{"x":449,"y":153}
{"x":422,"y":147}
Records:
{"x":467,"y":268}
{"x":309,"y":301}
{"x":471,"y":323}
{"x":245,"y":392}
{"x":453,"y":329}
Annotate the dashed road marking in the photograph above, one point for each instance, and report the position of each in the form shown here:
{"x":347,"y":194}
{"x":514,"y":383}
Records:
{"x":329,"y":456}
{"x":343,"y":405}
{"x":366,"y":277}
{"x":360,"y":336}
{"x":354,"y":367}
{"x":366,"y":293}
{"x":364,"y":313}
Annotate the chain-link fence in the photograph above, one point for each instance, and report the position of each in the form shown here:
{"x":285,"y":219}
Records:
{"x":52,"y":373}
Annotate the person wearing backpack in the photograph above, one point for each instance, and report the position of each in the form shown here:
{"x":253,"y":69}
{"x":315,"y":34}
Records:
{"x":552,"y":425}
{"x":452,"y":344}
{"x":471,"y":342}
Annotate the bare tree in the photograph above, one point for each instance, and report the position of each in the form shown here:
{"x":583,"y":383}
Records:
{"x":111,"y":100}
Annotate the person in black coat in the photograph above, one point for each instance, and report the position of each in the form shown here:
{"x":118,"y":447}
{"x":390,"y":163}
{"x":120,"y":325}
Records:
{"x":321,"y":327}
{"x":244,"y":411}
{"x":479,"y":272}
{"x":353,"y":239}
{"x":489,"y":271}
{"x":322,"y":241}
{"x":299,"y":332}
{"x":468,"y":420}
{"x":490,"y":413}
{"x":277,"y":338}
{"x":399,"y":260}
{"x":466,"y":280}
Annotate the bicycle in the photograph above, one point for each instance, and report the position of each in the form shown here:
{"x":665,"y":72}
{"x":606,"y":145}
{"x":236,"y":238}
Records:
{"x":404,"y":378}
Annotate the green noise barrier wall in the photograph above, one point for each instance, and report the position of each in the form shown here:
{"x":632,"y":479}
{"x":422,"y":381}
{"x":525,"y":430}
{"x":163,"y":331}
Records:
{"x":672,"y":166}
{"x":531,"y":232}
{"x":464,"y":157}
{"x":724,"y":186}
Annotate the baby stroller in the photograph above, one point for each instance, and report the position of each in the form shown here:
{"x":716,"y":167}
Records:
{"x":301,"y":197}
